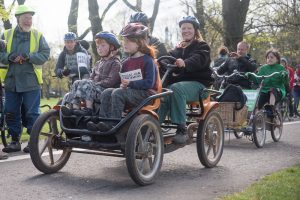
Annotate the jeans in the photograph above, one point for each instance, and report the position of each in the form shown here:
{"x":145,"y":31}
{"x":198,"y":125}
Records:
{"x":12,"y":110}
{"x":175,"y":104}
{"x":296,"y":95}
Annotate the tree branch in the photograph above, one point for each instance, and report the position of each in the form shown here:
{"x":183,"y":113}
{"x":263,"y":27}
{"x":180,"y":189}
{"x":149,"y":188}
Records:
{"x":132,"y":7}
{"x":107,"y":9}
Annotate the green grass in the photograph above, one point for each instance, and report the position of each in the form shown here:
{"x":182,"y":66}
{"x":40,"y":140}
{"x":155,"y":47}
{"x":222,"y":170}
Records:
{"x":51,"y":102}
{"x":284,"y":184}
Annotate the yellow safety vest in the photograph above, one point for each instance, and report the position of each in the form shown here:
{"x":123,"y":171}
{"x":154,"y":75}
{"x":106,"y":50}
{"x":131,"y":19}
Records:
{"x":34,"y":47}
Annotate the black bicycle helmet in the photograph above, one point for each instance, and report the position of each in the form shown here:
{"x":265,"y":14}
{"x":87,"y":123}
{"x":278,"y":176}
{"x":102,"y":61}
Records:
{"x":190,"y":19}
{"x":134,"y":30}
{"x":109,"y":38}
{"x":139,"y":17}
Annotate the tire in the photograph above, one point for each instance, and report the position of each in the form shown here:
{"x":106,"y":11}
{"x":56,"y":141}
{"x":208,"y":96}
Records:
{"x":4,"y":138}
{"x":259,"y":129}
{"x":43,"y":143}
{"x":210,"y":139}
{"x":277,"y":126}
{"x":238,"y":135}
{"x":144,"y":161}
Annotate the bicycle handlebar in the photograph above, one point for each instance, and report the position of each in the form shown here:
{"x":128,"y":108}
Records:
{"x":235,"y":72}
{"x":265,"y":76}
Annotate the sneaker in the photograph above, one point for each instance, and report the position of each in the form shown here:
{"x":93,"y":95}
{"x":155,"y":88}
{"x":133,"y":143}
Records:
{"x":3,"y":155}
{"x":101,"y":126}
{"x":26,"y":149}
{"x":247,"y":130}
{"x":12,"y":147}
{"x":66,"y":111}
{"x":181,"y":136}
{"x":83,"y":112}
{"x":269,"y":111}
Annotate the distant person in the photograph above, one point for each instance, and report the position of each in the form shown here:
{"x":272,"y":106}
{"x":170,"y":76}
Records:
{"x":73,"y":61}
{"x":223,"y":54}
{"x":26,"y":51}
{"x":240,"y":61}
{"x":104,"y":75}
{"x":289,"y":89}
{"x":296,"y":90}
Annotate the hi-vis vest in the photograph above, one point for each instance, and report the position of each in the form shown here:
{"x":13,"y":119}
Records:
{"x":34,"y":47}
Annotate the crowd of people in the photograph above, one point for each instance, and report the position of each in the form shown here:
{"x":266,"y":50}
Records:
{"x":24,"y":50}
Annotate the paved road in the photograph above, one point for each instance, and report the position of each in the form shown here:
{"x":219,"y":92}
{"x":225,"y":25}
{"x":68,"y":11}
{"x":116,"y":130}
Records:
{"x":182,"y":176}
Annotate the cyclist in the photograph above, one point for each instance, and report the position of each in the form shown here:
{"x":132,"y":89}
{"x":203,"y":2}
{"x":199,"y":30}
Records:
{"x":274,"y":88}
{"x":193,"y":73}
{"x":73,"y":61}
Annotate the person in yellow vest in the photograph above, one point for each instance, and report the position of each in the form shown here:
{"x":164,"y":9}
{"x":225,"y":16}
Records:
{"x":26,"y":51}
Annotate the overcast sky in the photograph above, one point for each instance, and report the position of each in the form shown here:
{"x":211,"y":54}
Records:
{"x":52,"y":15}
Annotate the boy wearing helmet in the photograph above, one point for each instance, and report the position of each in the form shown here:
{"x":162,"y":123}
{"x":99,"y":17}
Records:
{"x":193,"y":73}
{"x":73,"y":61}
{"x":104,"y":75}
{"x":138,"y":77}
{"x":26,"y":52}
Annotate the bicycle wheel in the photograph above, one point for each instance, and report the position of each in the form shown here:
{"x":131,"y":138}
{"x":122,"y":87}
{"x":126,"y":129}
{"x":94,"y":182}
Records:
{"x":210,"y":139}
{"x":276,"y":127}
{"x":259,"y":129}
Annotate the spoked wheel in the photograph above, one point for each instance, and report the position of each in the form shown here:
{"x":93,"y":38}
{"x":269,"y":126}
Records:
{"x":238,"y":134}
{"x":276,"y":127}
{"x":210,"y":140}
{"x":284,"y":110}
{"x":259,"y":129}
{"x":46,"y":132}
{"x":144,"y":149}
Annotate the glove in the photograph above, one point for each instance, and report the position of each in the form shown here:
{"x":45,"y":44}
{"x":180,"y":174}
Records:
{"x":12,"y":57}
{"x":66,"y":72}
{"x":25,"y":56}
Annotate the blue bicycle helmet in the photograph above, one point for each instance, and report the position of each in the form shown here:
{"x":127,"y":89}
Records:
{"x":190,"y":19}
{"x":139,"y":17}
{"x":109,"y":38}
{"x":70,"y":36}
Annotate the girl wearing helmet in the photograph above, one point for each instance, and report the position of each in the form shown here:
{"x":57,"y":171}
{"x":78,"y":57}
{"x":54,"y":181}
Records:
{"x":138,"y":77}
{"x":191,"y":76}
{"x":104,"y":75}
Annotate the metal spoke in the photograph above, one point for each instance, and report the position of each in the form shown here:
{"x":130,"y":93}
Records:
{"x":44,"y":146}
{"x":147,"y":135}
{"x":51,"y":154}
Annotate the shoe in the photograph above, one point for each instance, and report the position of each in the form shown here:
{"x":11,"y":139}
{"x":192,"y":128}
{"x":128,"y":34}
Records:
{"x":83,"y":112}
{"x":12,"y":147}
{"x":181,"y":136}
{"x":26,"y":149}
{"x":66,"y":111}
{"x":101,"y":126}
{"x":3,"y":156}
{"x":247,"y":130}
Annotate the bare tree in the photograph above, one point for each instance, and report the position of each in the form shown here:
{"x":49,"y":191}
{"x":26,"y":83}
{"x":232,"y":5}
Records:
{"x":6,"y":22}
{"x":234,"y":14}
{"x":73,"y":16}
{"x":138,"y":8}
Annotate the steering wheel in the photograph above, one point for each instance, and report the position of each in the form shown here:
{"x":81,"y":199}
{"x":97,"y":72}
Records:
{"x":166,"y":62}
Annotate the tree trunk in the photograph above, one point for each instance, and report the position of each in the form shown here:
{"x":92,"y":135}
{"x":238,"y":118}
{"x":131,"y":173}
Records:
{"x":200,"y":16}
{"x":234,"y":16}
{"x":73,"y":16}
{"x":96,"y":23}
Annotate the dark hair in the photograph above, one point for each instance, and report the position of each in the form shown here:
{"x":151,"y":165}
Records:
{"x":275,"y":52}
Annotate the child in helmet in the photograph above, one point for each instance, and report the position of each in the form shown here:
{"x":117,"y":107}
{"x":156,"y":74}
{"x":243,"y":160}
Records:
{"x":73,"y":61}
{"x":138,"y":77}
{"x":104,"y":75}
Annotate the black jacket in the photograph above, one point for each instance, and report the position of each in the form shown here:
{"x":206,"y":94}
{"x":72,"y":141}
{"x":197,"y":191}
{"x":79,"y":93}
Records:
{"x":241,"y":64}
{"x":196,"y":57}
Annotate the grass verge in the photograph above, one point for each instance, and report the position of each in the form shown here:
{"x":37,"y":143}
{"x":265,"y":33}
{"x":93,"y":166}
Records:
{"x":284,"y":184}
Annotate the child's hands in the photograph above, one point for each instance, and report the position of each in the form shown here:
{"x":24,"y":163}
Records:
{"x":124,"y":83}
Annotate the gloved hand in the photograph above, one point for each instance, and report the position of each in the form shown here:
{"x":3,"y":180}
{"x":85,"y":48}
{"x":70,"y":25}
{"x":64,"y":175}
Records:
{"x":12,"y":57}
{"x":25,"y":56}
{"x":66,"y":72}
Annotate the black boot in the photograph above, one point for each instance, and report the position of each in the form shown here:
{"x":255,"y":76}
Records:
{"x":100,"y":126}
{"x":14,"y":146}
{"x":181,"y":136}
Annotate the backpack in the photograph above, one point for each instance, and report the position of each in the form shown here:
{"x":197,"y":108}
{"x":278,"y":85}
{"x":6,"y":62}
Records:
{"x":233,"y":93}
